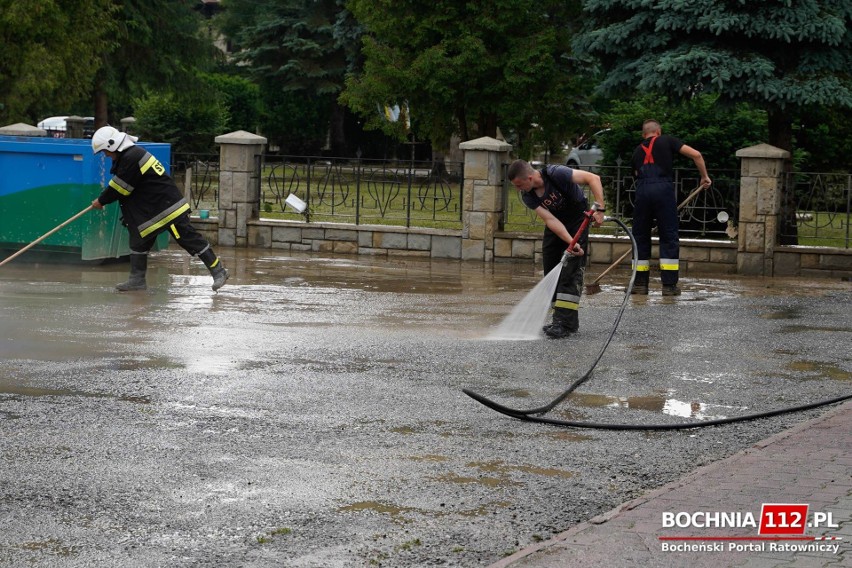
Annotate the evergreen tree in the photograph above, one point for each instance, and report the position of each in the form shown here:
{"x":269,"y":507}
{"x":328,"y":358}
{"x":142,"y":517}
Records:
{"x":304,"y":47}
{"x":783,"y":55}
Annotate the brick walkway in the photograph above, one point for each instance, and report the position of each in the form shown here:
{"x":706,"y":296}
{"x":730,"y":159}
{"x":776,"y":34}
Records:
{"x":810,"y":463}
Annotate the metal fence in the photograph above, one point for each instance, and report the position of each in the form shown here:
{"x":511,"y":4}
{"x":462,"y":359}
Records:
{"x":816,"y":210}
{"x":407,"y":193}
{"x":197,"y":175}
{"x":698,"y":219}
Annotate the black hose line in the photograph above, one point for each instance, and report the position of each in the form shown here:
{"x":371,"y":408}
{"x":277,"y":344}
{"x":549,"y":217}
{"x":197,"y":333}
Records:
{"x":534,"y":414}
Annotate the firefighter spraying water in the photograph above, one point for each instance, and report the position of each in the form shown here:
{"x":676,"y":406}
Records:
{"x":554,"y":193}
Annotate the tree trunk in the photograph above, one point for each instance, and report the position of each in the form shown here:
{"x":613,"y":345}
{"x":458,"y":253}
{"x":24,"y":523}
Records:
{"x":101,"y":102}
{"x":439,"y":163}
{"x":488,"y":124}
{"x":781,"y":136}
{"x":781,"y":129}
{"x":337,"y":132}
{"x":461,"y":118}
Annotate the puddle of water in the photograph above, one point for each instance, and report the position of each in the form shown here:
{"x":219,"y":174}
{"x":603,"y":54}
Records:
{"x":661,"y":403}
{"x":800,"y":328}
{"x":52,"y":546}
{"x":644,"y":352}
{"x":819,"y":370}
{"x":784,"y":313}
{"x":516,"y":393}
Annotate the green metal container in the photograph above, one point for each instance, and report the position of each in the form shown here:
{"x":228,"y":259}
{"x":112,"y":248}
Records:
{"x":46,"y":181}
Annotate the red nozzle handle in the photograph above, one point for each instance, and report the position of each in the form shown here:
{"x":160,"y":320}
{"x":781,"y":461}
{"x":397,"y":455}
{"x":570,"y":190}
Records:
{"x":588,"y":217}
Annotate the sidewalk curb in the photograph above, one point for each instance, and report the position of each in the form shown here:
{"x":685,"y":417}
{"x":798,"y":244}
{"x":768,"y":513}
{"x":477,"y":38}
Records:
{"x":685,"y":480}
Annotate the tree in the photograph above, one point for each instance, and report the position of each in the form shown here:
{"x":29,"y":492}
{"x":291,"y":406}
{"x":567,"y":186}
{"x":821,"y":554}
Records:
{"x":782,"y":55}
{"x":49,"y":54}
{"x":239,"y":95}
{"x":189,"y":124}
{"x":156,"y":45}
{"x":304,"y":47}
{"x":716,"y":131}
{"x":466,"y":68}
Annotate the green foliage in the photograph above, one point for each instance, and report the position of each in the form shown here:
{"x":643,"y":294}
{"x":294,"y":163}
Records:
{"x":466,"y":67}
{"x":303,"y":47}
{"x":188,"y":124}
{"x":50,"y":53}
{"x":302,"y":44}
{"x":159,"y":44}
{"x":715,"y":130}
{"x":824,"y":138}
{"x":240,"y":96}
{"x":295,"y":121}
{"x":782,"y":56}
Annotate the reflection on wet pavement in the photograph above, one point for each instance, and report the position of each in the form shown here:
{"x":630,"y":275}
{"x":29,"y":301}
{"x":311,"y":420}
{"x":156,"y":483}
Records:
{"x":312,"y":409}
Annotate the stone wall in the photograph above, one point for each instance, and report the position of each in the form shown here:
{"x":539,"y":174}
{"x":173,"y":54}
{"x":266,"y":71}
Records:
{"x":481,"y":237}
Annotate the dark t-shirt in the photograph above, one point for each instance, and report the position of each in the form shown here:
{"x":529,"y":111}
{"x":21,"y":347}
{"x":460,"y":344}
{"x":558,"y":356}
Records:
{"x":664,"y":150}
{"x":562,"y":197}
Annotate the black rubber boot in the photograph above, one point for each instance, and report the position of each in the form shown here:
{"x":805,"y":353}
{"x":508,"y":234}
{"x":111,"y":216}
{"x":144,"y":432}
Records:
{"x":214,"y":265}
{"x":220,"y":275}
{"x":672,"y":290}
{"x":565,"y":323}
{"x":138,"y":268}
{"x":640,"y":285}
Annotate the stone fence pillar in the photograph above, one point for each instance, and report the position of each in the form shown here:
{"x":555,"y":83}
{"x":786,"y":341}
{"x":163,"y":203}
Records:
{"x":128,"y":124}
{"x":761,"y":185}
{"x":74,"y":126}
{"x":482,"y":209}
{"x":239,"y":188}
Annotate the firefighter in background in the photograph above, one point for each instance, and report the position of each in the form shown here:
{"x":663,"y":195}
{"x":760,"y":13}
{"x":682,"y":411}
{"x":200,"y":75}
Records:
{"x":656,"y":199}
{"x":150,"y":204}
{"x":555,"y":195}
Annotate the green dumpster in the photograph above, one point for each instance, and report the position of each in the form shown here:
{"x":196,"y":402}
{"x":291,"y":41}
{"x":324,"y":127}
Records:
{"x":46,"y":181}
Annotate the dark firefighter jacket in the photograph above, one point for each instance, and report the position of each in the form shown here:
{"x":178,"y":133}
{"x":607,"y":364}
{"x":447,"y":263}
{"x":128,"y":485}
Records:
{"x":148,"y":197}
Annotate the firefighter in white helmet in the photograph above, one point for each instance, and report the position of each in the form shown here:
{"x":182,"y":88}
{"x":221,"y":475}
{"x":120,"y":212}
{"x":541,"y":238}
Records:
{"x":150,"y":204}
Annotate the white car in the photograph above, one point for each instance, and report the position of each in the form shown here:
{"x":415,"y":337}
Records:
{"x":56,"y":127}
{"x":53,"y":124}
{"x":586,"y":154}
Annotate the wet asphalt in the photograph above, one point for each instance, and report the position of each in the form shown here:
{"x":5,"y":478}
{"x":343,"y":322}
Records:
{"x":311,"y":413}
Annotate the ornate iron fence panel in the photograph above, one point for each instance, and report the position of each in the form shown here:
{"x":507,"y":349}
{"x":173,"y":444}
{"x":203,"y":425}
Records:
{"x":197,"y":176}
{"x":364,"y":191}
{"x":815,"y":209}
{"x":699,"y":219}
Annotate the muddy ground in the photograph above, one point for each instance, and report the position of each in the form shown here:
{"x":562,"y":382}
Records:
{"x":311,"y":413}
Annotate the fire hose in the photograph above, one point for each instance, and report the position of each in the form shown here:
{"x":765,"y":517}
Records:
{"x":536,"y":414}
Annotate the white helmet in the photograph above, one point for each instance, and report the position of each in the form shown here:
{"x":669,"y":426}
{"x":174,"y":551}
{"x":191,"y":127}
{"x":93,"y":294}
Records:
{"x":108,"y":138}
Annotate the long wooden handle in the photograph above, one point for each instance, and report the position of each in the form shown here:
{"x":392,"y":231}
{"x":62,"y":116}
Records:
{"x":612,"y":266}
{"x":47,"y":234}
{"x":683,"y":203}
